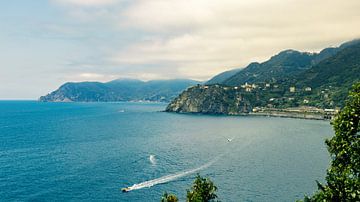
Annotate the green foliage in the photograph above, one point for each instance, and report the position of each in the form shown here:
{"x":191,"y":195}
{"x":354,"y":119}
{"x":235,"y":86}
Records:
{"x":283,"y":65}
{"x":337,"y":73}
{"x":169,"y":198}
{"x":330,"y":74}
{"x":343,"y":176}
{"x":203,"y":190}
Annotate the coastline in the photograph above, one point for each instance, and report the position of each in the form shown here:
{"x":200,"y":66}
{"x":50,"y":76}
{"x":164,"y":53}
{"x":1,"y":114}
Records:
{"x":291,"y":115}
{"x":284,"y":113}
{"x":308,"y":116}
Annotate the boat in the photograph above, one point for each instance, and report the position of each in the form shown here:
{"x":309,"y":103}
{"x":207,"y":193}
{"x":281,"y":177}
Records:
{"x":126,"y":189}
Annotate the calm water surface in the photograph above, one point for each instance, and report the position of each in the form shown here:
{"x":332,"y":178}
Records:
{"x":88,"y":151}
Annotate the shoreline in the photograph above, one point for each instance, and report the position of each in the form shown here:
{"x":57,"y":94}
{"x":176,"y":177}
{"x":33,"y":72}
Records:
{"x":308,"y":116}
{"x":292,"y":115}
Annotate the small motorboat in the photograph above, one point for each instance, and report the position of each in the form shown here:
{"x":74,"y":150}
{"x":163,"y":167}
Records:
{"x":126,"y":189}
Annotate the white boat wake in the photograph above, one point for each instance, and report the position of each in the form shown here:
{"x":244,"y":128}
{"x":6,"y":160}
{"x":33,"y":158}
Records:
{"x":152,"y":159}
{"x":169,"y":178}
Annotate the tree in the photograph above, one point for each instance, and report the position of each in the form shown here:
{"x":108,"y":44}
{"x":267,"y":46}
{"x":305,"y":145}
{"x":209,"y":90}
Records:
{"x":203,"y":190}
{"x":343,"y":176}
{"x":169,"y":198}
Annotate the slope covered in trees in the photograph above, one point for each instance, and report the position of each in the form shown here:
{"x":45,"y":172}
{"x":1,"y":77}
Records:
{"x":279,"y":67}
{"x":284,"y":81}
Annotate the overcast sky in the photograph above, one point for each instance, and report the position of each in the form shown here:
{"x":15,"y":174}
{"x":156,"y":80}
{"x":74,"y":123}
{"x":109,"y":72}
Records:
{"x":45,"y":43}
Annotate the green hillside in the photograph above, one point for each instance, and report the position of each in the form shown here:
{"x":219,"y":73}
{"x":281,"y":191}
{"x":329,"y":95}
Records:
{"x":289,"y":79}
{"x":278,"y":68}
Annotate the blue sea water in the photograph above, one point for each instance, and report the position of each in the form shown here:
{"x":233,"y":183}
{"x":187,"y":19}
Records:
{"x":88,"y":151}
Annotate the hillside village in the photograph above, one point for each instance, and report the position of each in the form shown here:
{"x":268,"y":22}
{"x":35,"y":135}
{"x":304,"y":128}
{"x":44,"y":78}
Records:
{"x":286,"y":100}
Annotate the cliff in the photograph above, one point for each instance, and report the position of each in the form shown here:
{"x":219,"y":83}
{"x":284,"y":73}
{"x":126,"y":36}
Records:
{"x":212,"y":99}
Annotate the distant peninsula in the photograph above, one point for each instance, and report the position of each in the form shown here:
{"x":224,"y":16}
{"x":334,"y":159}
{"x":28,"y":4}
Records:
{"x":119,"y":90}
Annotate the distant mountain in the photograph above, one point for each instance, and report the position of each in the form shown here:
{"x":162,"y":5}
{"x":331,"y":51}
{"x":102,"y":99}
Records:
{"x":288,"y":79}
{"x":119,"y":90}
{"x":285,"y":64}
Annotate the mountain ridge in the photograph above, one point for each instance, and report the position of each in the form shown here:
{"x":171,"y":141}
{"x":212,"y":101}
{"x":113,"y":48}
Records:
{"x":286,"y":63}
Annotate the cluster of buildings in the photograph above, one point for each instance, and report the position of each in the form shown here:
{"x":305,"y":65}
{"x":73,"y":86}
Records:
{"x":274,"y":101}
{"x":292,"y":89}
{"x":250,"y":87}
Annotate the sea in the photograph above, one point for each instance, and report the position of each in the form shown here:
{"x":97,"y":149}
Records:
{"x":90,"y":151}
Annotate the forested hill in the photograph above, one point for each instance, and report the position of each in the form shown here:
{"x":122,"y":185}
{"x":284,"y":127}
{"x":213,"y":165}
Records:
{"x":336,"y":74}
{"x":278,"y":68}
{"x":119,"y":90}
{"x":289,"y":79}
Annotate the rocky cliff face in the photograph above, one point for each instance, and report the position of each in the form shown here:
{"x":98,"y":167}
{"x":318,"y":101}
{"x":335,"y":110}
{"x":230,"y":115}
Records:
{"x":212,"y":99}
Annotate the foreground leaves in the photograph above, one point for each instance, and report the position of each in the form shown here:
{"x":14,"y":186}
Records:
{"x":343,"y":176}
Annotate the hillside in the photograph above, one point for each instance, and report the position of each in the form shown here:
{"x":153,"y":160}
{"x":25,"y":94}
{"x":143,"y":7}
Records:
{"x":333,"y":76}
{"x":278,"y":68}
{"x":119,"y":90}
{"x":317,"y":83}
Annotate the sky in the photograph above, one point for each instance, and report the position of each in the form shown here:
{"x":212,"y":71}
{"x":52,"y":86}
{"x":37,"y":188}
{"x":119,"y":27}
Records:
{"x":45,"y":43}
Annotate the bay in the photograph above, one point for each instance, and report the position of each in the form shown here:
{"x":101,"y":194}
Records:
{"x":89,"y":151}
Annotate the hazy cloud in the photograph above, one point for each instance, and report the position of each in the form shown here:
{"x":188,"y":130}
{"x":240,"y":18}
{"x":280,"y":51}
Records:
{"x":204,"y":37}
{"x":78,"y":40}
{"x":86,"y":2}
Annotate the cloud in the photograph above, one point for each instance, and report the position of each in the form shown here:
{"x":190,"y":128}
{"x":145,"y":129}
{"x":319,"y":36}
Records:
{"x":78,"y":40}
{"x":204,"y":37}
{"x":90,"y":76}
{"x":198,"y":39}
{"x":86,"y":2}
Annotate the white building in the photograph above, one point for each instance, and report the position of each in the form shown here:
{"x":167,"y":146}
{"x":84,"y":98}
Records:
{"x":308,"y":89}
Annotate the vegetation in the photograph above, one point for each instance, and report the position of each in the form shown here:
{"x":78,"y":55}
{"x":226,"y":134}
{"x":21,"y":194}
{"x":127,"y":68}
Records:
{"x":335,"y":75}
{"x":289,"y":64}
{"x":283,"y":65}
{"x":169,"y":198}
{"x":321,"y":80}
{"x":202,"y":190}
{"x":343,"y":176}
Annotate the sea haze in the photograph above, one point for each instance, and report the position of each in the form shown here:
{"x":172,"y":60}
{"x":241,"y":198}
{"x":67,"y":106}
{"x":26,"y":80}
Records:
{"x":89,"y":151}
